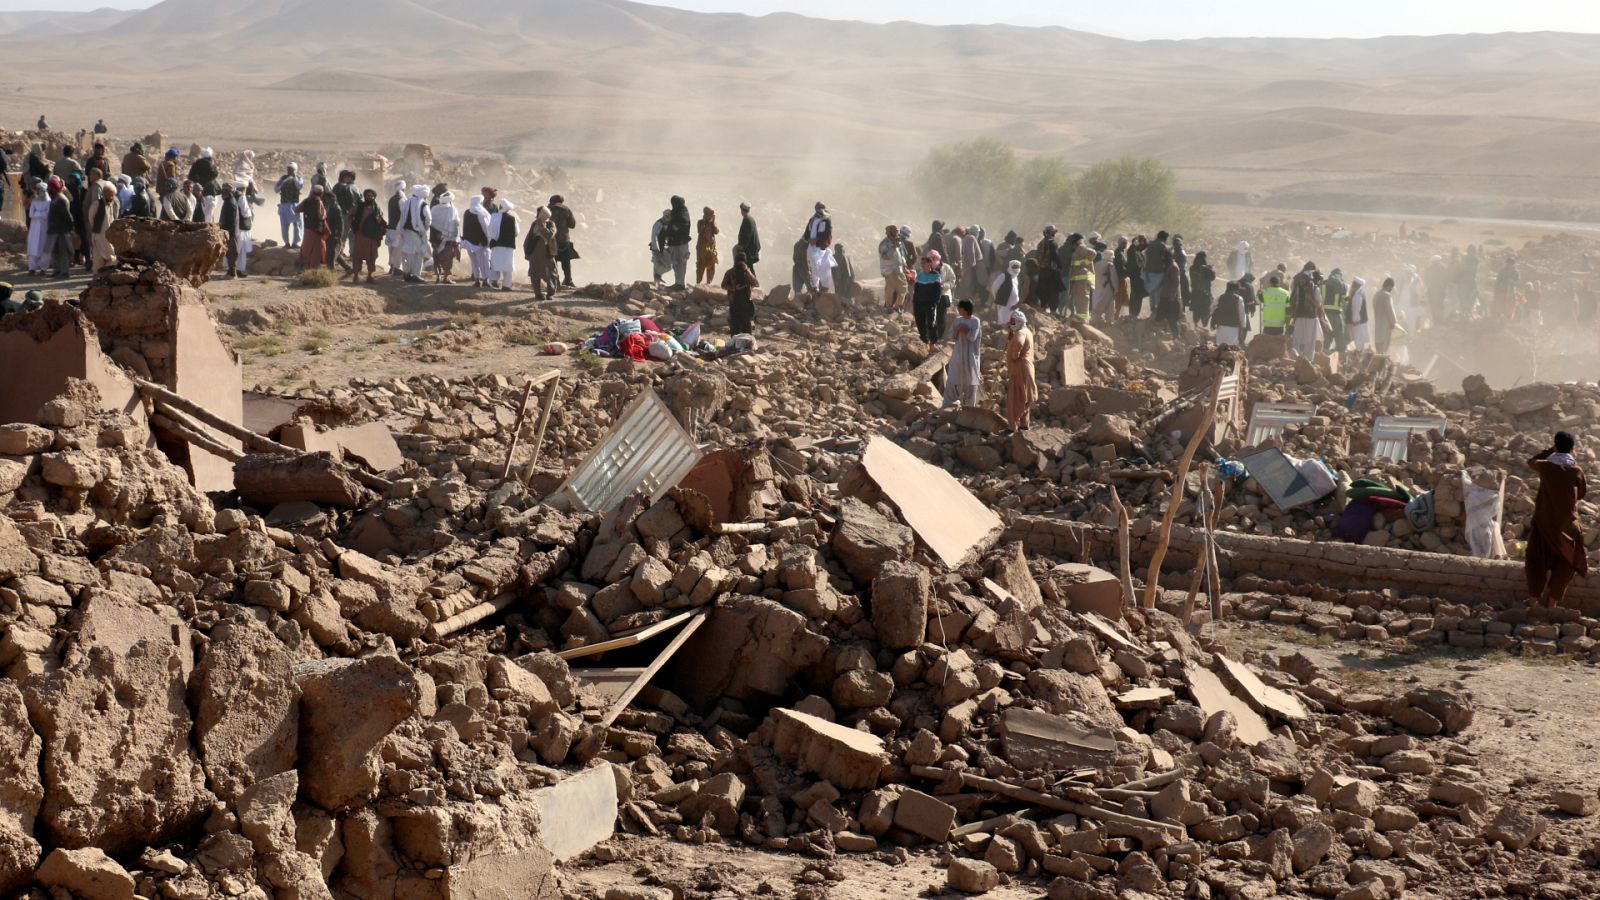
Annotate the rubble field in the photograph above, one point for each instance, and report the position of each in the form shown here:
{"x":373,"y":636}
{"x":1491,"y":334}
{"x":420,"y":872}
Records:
{"x":771,"y":624}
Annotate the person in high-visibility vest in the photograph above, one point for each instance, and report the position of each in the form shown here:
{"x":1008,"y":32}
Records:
{"x":1080,"y":274}
{"x":1274,"y":306}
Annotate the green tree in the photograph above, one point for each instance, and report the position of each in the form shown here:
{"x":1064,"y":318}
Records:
{"x":976,"y":178}
{"x":1127,"y":191}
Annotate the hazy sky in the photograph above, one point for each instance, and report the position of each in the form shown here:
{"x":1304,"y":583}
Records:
{"x":1150,"y":18}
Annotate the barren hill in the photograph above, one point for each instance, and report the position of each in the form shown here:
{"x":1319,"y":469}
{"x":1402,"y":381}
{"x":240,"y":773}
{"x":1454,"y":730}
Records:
{"x":1486,"y":124}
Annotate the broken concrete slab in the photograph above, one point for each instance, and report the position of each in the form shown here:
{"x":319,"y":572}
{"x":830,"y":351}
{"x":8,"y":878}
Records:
{"x":578,"y":812}
{"x":865,"y":541}
{"x":846,"y":758}
{"x":1039,"y":741}
{"x":1213,"y":697}
{"x":1262,"y":697}
{"x":955,"y":525}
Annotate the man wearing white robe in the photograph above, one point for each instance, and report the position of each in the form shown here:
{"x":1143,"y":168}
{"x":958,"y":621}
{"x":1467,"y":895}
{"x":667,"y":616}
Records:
{"x":415,"y":219}
{"x":503,"y":245}
{"x":475,"y":239}
{"x":391,"y":238}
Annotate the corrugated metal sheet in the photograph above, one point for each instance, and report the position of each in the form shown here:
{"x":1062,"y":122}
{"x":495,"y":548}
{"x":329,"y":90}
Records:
{"x":1391,"y":435}
{"x":646,"y":451}
{"x":1268,"y":420}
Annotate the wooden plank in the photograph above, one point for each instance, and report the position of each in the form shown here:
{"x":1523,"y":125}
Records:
{"x":1262,"y":697}
{"x":1213,"y":697}
{"x":662,"y":658}
{"x":609,"y":681}
{"x":629,"y":639}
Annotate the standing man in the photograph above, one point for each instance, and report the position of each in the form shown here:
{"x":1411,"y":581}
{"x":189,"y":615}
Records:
{"x":540,"y":250}
{"x":1274,"y":306}
{"x":563,"y":220}
{"x":289,"y":188}
{"x":397,"y":202}
{"x":475,"y":239}
{"x":678,"y":234}
{"x":1555,"y":540}
{"x":892,"y":264}
{"x":413,"y":246}
{"x":660,"y":260}
{"x":369,"y":227}
{"x":314,"y":213}
{"x":1080,"y":274}
{"x":1335,"y":295}
{"x":203,"y":172}
{"x":229,"y":219}
{"x":705,"y":247}
{"x":503,"y":245}
{"x":819,"y":250}
{"x":59,"y":226}
{"x":749,"y":237}
{"x":1306,"y":305}
{"x":447,"y":224}
{"x":349,"y":198}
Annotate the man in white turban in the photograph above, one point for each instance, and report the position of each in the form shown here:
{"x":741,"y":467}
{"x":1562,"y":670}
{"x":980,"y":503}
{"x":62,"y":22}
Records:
{"x":415,"y":220}
{"x":502,"y":245}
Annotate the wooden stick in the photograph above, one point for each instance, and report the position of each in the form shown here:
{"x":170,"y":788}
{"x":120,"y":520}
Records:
{"x":258,"y":442}
{"x":1155,"y":781}
{"x":1050,"y":801}
{"x":194,"y":434}
{"x":1152,"y":579}
{"x":752,"y":527}
{"x":1200,"y":564}
{"x":516,"y":431}
{"x":1124,"y":539}
{"x":471,"y":617}
{"x":662,"y":658}
{"x":1218,"y":491}
{"x":544,"y":420}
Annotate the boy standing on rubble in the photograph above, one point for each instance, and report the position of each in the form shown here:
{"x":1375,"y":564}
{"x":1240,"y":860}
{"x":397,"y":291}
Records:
{"x":1555,"y":542}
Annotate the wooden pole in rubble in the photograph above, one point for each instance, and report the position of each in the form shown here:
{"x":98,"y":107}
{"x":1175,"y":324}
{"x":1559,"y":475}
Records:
{"x":1152,"y":577}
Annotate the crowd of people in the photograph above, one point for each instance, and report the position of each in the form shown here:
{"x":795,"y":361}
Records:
{"x":70,"y":204}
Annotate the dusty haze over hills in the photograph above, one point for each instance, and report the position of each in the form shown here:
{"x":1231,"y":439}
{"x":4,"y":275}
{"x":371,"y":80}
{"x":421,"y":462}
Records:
{"x":1501,"y":125}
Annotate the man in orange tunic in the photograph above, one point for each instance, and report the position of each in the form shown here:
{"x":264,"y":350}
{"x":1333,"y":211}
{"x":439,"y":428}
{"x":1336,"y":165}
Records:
{"x":1555,"y":542}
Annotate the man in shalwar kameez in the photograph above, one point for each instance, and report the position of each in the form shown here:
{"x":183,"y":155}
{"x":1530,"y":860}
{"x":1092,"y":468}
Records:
{"x":1555,"y":540}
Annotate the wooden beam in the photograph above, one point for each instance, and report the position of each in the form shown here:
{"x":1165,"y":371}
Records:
{"x":175,"y":422}
{"x":627,"y":640}
{"x":516,"y":431}
{"x":1152,"y":578}
{"x":253,"y":441}
{"x":662,"y":658}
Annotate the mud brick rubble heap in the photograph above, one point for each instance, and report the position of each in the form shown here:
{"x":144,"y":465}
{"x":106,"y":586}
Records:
{"x":296,"y":716}
{"x":208,"y":700}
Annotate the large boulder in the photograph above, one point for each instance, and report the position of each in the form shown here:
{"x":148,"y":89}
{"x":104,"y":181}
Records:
{"x":119,"y":771}
{"x":347,"y":708}
{"x":247,"y":707}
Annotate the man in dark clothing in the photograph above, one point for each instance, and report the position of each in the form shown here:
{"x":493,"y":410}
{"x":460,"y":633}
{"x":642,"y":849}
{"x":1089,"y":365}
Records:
{"x":676,"y":236}
{"x":1555,"y":540}
{"x":139,"y":204}
{"x":230,"y":220}
{"x":59,"y":228}
{"x":338,"y":225}
{"x":99,"y":159}
{"x":100,"y":126}
{"x":203,"y":172}
{"x":749,"y":238}
{"x":563,"y":220}
{"x":5,"y":166}
{"x":349,"y":198}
